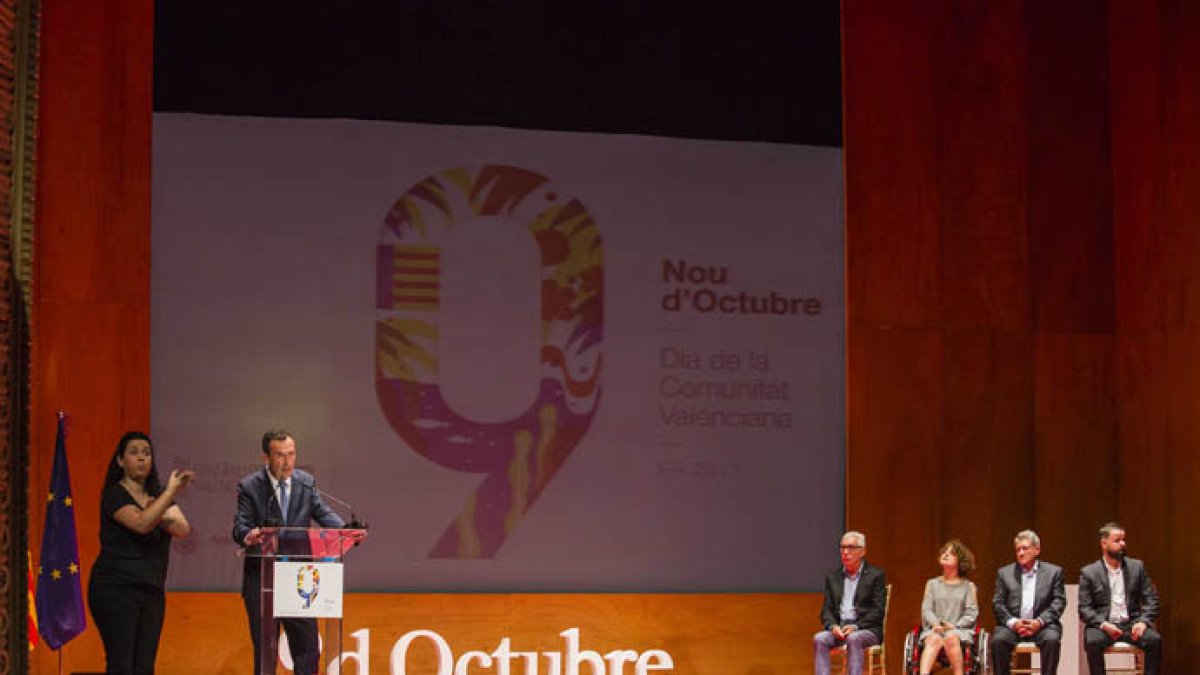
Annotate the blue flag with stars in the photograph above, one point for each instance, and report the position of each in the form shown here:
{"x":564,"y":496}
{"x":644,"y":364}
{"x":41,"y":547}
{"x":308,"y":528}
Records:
{"x":59,"y":593}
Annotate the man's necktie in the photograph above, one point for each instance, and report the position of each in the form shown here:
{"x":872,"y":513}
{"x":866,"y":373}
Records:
{"x":283,"y":500}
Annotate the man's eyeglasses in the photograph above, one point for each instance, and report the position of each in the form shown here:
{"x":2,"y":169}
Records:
{"x":850,"y":547}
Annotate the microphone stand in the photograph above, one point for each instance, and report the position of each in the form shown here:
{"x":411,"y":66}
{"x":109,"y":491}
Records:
{"x":354,"y":523}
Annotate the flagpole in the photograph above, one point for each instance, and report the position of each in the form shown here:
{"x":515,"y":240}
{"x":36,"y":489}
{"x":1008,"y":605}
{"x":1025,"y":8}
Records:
{"x":59,"y":650}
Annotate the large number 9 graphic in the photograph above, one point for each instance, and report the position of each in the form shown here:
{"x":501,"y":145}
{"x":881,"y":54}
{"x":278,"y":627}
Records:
{"x":520,"y":455}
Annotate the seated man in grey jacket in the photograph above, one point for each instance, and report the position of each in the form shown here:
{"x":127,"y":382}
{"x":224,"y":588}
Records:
{"x":1117,"y":602}
{"x":1028,"y":603}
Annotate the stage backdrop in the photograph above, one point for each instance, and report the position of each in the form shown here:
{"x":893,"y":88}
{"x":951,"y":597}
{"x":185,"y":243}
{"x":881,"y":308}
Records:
{"x":530,"y":360}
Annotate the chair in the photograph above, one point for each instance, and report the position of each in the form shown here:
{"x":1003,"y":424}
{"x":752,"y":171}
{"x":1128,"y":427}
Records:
{"x":975,"y":654}
{"x":1022,"y":649}
{"x":1125,"y":649}
{"x":875,"y":661}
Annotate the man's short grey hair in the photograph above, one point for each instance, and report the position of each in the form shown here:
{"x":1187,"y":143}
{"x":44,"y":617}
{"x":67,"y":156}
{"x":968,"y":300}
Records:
{"x":1029,"y":536}
{"x":1110,"y":527}
{"x":859,"y":537}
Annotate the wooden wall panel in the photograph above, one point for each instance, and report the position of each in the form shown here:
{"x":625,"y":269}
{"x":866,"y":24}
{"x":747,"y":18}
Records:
{"x":988,"y":416}
{"x":1168,"y":537}
{"x":982,"y":141}
{"x":1016,"y":193}
{"x":1156,"y":469}
{"x":1075,"y":422}
{"x":895,"y":399}
{"x":1070,"y":174}
{"x":891,"y":73}
{"x":939,"y":395}
{"x":1155,"y":138}
{"x":1154,"y":49}
{"x":988,"y":425}
{"x":1070,"y":220}
{"x":1070,"y":224}
{"x":91,"y":295}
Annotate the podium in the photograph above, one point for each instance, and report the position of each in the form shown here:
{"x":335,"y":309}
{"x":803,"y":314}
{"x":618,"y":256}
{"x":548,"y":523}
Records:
{"x":300,"y":584}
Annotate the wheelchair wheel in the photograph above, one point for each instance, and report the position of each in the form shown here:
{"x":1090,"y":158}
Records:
{"x":980,"y":651}
{"x":912,"y":653}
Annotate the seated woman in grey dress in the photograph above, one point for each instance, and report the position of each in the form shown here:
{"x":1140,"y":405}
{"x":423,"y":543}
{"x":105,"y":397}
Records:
{"x":949,"y":609}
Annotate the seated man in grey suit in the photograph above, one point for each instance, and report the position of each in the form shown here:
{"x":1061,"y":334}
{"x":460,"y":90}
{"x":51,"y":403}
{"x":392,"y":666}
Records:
{"x":1028,"y":603}
{"x":1117,"y":602}
{"x":855,"y":595}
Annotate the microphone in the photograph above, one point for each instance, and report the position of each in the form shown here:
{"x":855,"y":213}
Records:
{"x":354,"y":523}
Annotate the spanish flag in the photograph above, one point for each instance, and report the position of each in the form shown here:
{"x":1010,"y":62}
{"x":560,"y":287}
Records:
{"x":33,"y":633}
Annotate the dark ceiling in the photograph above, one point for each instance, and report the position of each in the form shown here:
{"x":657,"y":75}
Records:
{"x":753,"y":70}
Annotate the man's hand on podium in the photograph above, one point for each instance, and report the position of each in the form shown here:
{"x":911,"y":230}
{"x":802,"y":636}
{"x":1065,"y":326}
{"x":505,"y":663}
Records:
{"x":253,"y":537}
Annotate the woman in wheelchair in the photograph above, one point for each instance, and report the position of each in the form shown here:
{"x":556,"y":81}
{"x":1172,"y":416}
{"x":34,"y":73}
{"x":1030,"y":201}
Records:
{"x":949,"y":609}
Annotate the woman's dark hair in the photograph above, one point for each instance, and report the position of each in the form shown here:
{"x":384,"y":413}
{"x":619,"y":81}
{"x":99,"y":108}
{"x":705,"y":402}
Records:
{"x":116,"y":473}
{"x":966,"y":559}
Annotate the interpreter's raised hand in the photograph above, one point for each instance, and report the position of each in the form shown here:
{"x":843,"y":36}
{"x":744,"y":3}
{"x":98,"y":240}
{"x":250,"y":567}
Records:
{"x":179,"y":479}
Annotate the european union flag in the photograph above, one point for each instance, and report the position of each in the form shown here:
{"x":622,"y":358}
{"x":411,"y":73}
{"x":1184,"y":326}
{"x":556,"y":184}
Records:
{"x":59,"y":593}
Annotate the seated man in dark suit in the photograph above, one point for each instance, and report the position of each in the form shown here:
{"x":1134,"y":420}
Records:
{"x":855,"y":594}
{"x":1028,"y":603}
{"x":1117,"y":602}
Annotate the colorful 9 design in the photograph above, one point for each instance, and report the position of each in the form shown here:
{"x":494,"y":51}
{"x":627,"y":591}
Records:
{"x":520,"y":455}
{"x":314,"y":587}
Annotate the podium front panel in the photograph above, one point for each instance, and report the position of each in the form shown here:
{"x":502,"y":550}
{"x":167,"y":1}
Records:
{"x":301,"y":570}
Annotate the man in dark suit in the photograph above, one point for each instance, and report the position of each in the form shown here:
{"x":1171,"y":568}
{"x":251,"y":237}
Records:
{"x":1118,"y":603}
{"x":855,"y":599}
{"x":1028,"y":603}
{"x":278,"y":495}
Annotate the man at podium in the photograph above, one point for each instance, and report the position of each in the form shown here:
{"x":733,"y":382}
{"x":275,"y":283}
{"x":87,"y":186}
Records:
{"x":278,"y":495}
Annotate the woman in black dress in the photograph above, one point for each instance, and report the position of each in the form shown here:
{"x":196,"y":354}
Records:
{"x":138,"y":518}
